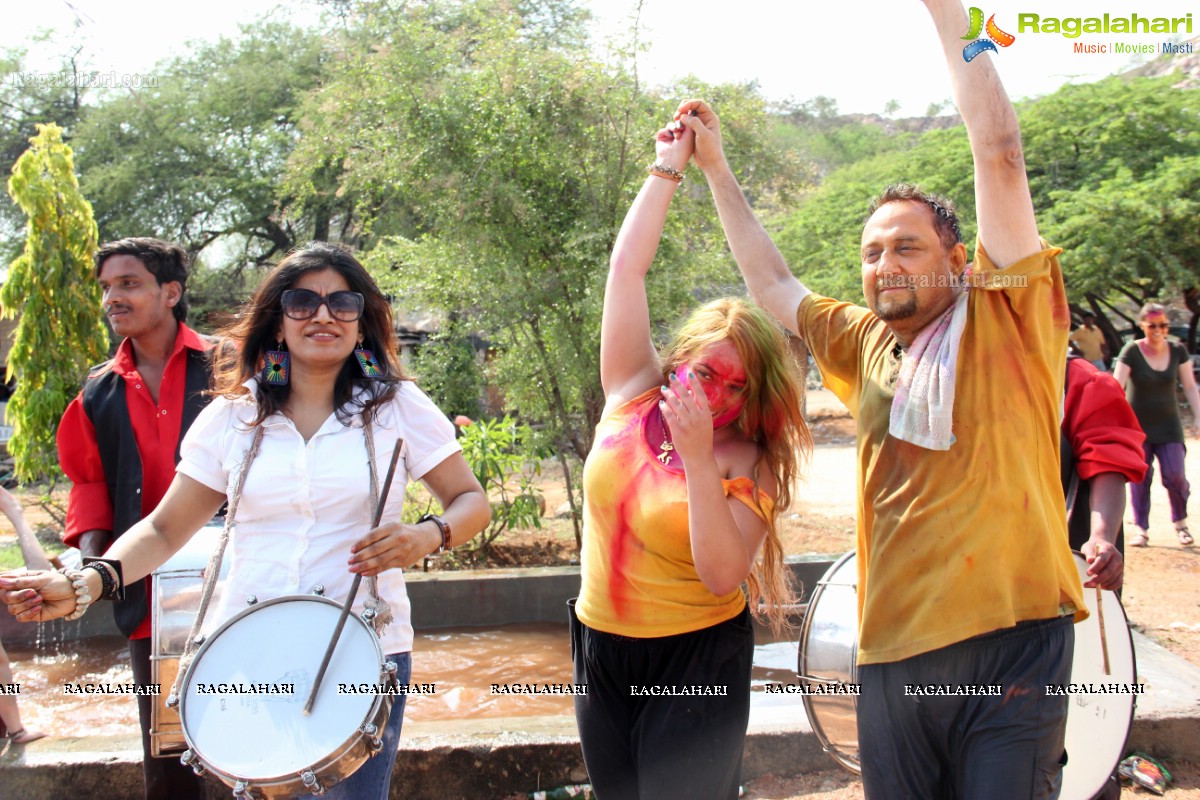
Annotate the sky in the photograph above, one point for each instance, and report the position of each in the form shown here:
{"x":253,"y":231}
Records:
{"x":863,"y":54}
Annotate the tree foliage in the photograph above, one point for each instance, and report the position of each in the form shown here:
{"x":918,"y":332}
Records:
{"x":197,"y":158}
{"x":28,"y":99}
{"x":50,"y":287}
{"x":492,"y":163}
{"x":1114,"y":170}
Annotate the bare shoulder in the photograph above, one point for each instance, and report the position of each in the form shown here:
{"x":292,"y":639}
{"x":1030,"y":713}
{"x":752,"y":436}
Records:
{"x":737,"y":456}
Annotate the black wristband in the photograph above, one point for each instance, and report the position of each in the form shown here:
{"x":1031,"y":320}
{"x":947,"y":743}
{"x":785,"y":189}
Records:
{"x":113,"y":590}
{"x":444,"y":527}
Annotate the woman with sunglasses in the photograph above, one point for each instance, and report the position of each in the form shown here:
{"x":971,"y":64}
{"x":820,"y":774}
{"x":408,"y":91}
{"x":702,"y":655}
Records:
{"x":694,"y":458}
{"x":314,"y":371}
{"x":1148,"y":369}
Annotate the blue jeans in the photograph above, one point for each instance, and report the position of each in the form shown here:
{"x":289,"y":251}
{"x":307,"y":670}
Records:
{"x":373,"y":779}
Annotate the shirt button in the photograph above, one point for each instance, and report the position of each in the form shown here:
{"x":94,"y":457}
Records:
{"x":164,"y":412}
{"x":137,"y":386}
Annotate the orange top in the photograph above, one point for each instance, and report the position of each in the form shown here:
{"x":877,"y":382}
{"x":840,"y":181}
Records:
{"x":956,"y":543}
{"x":639,"y":578}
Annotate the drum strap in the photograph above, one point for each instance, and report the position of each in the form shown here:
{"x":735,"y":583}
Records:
{"x":214,"y":562}
{"x":383,"y":612}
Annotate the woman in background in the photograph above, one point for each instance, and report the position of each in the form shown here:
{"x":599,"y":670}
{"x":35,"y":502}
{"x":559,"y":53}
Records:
{"x":1148,"y":370}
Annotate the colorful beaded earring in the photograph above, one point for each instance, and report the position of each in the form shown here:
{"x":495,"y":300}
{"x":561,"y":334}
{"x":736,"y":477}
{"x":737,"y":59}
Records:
{"x":278,"y":367}
{"x":367,"y":361}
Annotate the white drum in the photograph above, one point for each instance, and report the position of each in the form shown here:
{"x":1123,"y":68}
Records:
{"x":245,"y":690}
{"x":1097,"y":724}
{"x":829,"y":654}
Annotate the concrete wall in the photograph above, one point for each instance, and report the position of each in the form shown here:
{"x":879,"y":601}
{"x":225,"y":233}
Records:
{"x":468,"y":598}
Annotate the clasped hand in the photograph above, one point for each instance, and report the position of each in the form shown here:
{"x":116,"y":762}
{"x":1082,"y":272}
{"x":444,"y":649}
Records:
{"x":37,"y":596}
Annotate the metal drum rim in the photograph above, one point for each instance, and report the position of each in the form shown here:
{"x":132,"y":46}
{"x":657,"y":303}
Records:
{"x":340,"y":750}
{"x":801,"y":672}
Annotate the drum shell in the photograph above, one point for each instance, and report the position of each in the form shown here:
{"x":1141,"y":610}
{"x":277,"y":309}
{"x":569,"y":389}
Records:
{"x":174,"y":602}
{"x":329,"y":769}
{"x":827,"y":654}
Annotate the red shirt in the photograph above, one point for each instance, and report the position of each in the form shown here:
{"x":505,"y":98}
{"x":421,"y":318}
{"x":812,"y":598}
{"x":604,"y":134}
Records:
{"x":156,"y":428}
{"x":1100,"y":425}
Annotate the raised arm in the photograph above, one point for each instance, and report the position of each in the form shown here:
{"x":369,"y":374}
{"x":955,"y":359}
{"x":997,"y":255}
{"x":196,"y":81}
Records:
{"x":771,"y":283}
{"x":1003,"y":206}
{"x":629,"y":364}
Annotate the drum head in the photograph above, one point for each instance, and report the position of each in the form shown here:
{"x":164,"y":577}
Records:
{"x":1098,"y":724}
{"x":828,"y":654}
{"x":277,"y":647}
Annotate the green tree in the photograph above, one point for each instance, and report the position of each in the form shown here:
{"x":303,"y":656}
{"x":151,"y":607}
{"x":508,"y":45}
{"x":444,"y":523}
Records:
{"x":50,"y":287}
{"x":28,"y":98}
{"x":1114,"y":171}
{"x":492,"y":163}
{"x":197,"y":158}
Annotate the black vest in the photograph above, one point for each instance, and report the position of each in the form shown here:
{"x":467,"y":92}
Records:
{"x":104,"y":404}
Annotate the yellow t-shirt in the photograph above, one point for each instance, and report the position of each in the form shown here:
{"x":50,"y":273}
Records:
{"x":639,"y":578}
{"x":1089,"y":342}
{"x":957,"y":543}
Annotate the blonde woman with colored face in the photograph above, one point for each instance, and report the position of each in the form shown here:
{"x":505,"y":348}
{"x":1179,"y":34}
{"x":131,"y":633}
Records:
{"x":693,"y":460}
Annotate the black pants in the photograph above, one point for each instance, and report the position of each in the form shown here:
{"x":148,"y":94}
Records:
{"x":930,"y":746}
{"x":640,"y":743}
{"x":165,"y":778}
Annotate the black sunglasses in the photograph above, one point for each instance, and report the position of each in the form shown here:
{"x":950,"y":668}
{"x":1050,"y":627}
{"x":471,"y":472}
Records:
{"x":304,"y":304}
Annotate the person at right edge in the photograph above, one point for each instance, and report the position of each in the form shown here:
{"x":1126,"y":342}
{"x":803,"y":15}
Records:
{"x":965,"y":578}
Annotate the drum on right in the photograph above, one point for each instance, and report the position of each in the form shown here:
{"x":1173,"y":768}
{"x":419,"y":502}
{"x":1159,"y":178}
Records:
{"x":1098,"y":721}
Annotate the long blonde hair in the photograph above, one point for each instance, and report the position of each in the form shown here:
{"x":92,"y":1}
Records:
{"x":771,"y":418}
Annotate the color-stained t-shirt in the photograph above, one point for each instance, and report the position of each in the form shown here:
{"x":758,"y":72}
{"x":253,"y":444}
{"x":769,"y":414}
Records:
{"x":1151,"y":392}
{"x":639,"y":578}
{"x":953,"y":544}
{"x":1089,"y":342}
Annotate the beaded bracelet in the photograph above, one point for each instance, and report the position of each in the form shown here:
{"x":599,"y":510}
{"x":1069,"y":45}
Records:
{"x":83,"y":598}
{"x":110,"y":576}
{"x":108,"y":583}
{"x":665,"y":171}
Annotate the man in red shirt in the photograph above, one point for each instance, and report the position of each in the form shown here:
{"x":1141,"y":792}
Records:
{"x":118,"y":441}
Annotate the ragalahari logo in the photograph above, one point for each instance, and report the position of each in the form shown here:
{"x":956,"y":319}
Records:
{"x":995,"y":36}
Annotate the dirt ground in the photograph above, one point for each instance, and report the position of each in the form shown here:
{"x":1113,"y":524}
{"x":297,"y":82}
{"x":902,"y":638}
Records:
{"x":1161,"y":596}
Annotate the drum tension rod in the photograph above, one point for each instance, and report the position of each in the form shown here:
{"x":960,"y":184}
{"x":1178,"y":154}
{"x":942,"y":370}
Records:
{"x":337,"y":631}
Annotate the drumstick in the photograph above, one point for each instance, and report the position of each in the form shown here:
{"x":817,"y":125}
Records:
{"x":1103,"y":634}
{"x":341,"y":623}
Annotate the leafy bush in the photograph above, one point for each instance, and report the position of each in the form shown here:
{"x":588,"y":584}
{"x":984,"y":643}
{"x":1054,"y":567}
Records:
{"x":507,"y":461}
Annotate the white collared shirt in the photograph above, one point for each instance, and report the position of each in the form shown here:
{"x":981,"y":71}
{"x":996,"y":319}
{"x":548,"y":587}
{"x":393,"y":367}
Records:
{"x":305,"y":503}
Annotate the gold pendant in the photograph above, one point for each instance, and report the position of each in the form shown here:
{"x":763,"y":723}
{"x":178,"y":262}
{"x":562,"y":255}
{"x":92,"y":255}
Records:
{"x":665,"y":455}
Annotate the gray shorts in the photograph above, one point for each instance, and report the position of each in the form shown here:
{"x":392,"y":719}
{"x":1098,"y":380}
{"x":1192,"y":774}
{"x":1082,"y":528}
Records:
{"x":972,"y":720}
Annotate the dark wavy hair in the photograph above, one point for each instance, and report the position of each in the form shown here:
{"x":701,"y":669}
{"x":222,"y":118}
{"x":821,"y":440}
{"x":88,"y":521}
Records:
{"x":945,"y":217}
{"x":257,"y":324}
{"x":165,"y":261}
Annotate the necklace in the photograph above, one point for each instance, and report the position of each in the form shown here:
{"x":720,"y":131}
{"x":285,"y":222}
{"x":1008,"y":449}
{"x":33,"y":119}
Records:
{"x":667,"y":446}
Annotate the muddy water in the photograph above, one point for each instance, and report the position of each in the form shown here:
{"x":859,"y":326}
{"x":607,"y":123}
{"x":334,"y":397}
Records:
{"x":461,"y":664}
